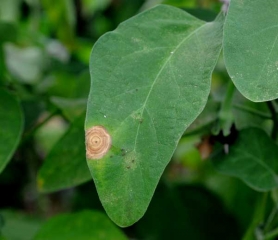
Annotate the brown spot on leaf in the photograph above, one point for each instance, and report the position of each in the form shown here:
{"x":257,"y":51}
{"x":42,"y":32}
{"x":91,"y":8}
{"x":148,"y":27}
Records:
{"x":98,"y":142}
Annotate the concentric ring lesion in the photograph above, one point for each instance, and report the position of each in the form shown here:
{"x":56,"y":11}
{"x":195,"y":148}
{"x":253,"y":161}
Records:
{"x":98,"y":142}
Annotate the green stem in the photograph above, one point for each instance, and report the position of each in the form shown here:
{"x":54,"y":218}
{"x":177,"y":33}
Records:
{"x":272,"y":108}
{"x":225,"y":114}
{"x":205,"y":129}
{"x":36,"y":16}
{"x":270,"y":219}
{"x":226,"y":106}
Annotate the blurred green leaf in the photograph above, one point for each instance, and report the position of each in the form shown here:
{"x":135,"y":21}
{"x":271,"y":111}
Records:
{"x":83,"y":84}
{"x":202,"y":13}
{"x":91,"y":6}
{"x":65,"y":166}
{"x":252,"y":158}
{"x":9,"y":10}
{"x":8,"y":32}
{"x":2,"y":223}
{"x":2,"y":65}
{"x":25,"y":64}
{"x":251,"y":49}
{"x":250,"y":114}
{"x":181,"y":3}
{"x":32,"y":108}
{"x":85,"y":198}
{"x":19,"y":226}
{"x":83,"y":51}
{"x":11,"y":122}
{"x":85,"y":225}
{"x":68,"y":85}
{"x":255,"y":229}
{"x":186,"y":212}
{"x":147,"y":109}
{"x":49,"y":133}
{"x":62,"y":19}
{"x":71,"y":108}
{"x":187,"y":152}
{"x":57,"y":50}
{"x":239,"y":199}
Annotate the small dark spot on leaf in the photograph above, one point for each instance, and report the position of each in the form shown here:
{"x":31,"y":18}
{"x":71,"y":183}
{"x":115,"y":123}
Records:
{"x":141,"y":120}
{"x":123,"y":152}
{"x":136,"y":89}
{"x":133,"y":161}
{"x":128,"y":167}
{"x":111,"y":156}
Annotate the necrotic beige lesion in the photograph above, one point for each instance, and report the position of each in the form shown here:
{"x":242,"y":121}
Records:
{"x":98,"y":142}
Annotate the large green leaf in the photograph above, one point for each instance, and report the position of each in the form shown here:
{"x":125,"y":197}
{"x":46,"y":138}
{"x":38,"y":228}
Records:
{"x":11,"y":122}
{"x":150,"y":80}
{"x":65,"y":165}
{"x":251,"y":48}
{"x":85,"y":225}
{"x":253,"y":158}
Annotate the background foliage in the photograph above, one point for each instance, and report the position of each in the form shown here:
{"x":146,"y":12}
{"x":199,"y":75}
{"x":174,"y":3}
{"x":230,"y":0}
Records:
{"x":45,"y":182}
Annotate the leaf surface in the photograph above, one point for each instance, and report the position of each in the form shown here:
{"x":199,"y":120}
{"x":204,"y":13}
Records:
{"x":11,"y":122}
{"x":251,"y":48}
{"x":253,"y":158}
{"x":150,"y":80}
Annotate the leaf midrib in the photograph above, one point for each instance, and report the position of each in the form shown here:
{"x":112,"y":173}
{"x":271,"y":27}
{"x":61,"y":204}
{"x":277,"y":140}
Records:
{"x":161,"y":70}
{"x":152,"y":86}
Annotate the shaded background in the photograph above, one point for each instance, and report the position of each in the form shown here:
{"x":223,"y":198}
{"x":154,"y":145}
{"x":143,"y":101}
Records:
{"x":44,"y":58}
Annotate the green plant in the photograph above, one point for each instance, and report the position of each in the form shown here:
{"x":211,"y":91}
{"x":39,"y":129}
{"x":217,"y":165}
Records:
{"x":161,"y":89}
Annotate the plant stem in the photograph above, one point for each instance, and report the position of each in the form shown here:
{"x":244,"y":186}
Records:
{"x":270,"y":218}
{"x":226,"y":117}
{"x":272,"y":108}
{"x":226,"y":106}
